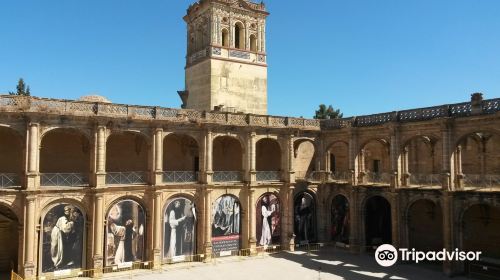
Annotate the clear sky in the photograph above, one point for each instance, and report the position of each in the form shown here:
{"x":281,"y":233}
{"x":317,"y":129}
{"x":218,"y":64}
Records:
{"x":362,"y":56}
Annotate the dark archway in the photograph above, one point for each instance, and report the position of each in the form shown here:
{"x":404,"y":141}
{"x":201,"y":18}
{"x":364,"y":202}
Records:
{"x":305,"y":218}
{"x":127,"y":158}
{"x":340,"y":220}
{"x":425,"y":226}
{"x":378,"y":228}
{"x":9,"y":236}
{"x":481,"y":230}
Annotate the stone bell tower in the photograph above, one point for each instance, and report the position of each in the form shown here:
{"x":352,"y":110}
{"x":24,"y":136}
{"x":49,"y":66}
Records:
{"x":226,"y":57}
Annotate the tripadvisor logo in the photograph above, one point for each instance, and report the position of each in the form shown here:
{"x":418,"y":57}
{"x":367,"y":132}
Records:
{"x":386,"y":255}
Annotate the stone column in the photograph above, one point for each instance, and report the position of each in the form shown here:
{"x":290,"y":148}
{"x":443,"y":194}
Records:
{"x":290,"y":212}
{"x":354,"y":216}
{"x":98,"y":259}
{"x":208,"y":224}
{"x":33,"y":176}
{"x":158,"y":156}
{"x":209,"y":157}
{"x":395,"y":158}
{"x":30,"y":267}
{"x":252,"y":172}
{"x":405,"y":181}
{"x":353,"y":162}
{"x":450,"y":268}
{"x":448,"y":173}
{"x":253,"y":223}
{"x":101,"y":156}
{"x":362,"y":170}
{"x":291,"y":158}
{"x":157,"y":229}
{"x":395,"y":218}
{"x":459,"y":183}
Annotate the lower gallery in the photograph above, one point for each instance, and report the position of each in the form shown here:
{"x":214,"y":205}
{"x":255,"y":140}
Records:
{"x":95,"y":186}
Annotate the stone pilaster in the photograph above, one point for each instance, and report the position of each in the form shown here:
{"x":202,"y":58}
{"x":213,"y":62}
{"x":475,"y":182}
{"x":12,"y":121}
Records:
{"x":405,"y":178}
{"x":393,"y":196}
{"x":208,"y":224}
{"x":354,"y":214}
{"x":450,"y":268}
{"x":290,"y":215}
{"x":157,"y":230}
{"x":252,"y":217}
{"x":98,"y":248}
{"x":30,"y":237}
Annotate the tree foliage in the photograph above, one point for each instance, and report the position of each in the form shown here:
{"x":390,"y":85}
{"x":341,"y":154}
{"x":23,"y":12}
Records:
{"x":22,"y":89}
{"x":327,"y":112}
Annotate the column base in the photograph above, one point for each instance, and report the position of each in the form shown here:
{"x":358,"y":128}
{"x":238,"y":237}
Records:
{"x":208,"y":252}
{"x":29,"y":271}
{"x":157,"y":259}
{"x":100,"y":180}
{"x":252,"y":244}
{"x":291,"y":243}
{"x":32,"y":181}
{"x":97,"y":266}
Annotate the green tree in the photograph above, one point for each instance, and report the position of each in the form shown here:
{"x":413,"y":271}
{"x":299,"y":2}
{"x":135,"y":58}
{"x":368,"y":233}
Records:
{"x":22,"y":89}
{"x":327,"y":112}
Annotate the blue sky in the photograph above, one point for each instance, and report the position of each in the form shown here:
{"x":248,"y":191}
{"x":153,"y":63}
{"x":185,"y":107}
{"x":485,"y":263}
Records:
{"x":362,"y":56}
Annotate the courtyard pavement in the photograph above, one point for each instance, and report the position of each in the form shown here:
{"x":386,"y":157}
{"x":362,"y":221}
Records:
{"x":327,"y":264}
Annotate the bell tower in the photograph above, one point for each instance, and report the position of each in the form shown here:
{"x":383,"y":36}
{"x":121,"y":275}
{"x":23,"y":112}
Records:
{"x":226,"y":65}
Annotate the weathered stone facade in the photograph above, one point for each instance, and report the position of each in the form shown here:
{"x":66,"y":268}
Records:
{"x":92,"y":154}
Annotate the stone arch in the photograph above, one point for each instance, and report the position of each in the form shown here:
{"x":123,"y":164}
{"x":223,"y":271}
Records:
{"x":124,"y":216}
{"x":271,"y":233}
{"x":478,"y":152}
{"x":65,"y":157}
{"x":10,"y":235}
{"x":180,"y":153}
{"x":227,"y":153}
{"x":425,"y":215}
{"x":305,"y":211}
{"x":239,"y":35}
{"x":377,"y":221}
{"x":480,"y":229}
{"x":268,"y":155}
{"x":338,"y":157}
{"x":179,"y":227}
{"x":340,"y":218}
{"x":304,"y":152}
{"x":12,"y":150}
{"x":127,"y":151}
{"x":423,"y":156}
{"x":376,"y":157}
{"x":63,"y":236}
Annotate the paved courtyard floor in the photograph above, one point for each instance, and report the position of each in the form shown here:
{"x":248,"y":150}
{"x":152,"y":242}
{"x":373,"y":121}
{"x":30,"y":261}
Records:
{"x":325,"y":265}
